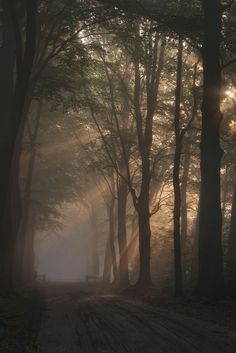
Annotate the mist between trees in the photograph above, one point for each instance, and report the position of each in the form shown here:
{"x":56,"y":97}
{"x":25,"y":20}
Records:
{"x":121,"y":110}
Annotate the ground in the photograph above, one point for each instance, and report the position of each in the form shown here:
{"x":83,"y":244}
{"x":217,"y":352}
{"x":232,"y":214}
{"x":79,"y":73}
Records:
{"x":20,"y":319}
{"x":77,"y":320}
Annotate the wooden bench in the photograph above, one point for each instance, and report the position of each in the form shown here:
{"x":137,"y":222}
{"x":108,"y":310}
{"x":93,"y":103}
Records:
{"x":93,"y":278}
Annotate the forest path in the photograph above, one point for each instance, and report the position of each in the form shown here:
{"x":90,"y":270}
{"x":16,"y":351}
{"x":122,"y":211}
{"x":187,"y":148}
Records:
{"x":82,"y":322}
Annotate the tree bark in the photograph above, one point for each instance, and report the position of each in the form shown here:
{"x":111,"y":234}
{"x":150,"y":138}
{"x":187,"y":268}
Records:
{"x":94,"y":241}
{"x":231,"y":248}
{"x":12,"y":122}
{"x":184,"y":185}
{"x":28,"y":265}
{"x":224,"y":195}
{"x":211,"y":278}
{"x":111,"y":218}
{"x":23,"y":232}
{"x":107,"y":264}
{"x":184,"y":209}
{"x":7,"y":63}
{"x":145,"y":136}
{"x":144,"y":241}
{"x":122,"y":192}
{"x":176,"y":178}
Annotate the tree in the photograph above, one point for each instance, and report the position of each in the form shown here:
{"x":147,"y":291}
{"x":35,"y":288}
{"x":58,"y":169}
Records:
{"x":210,"y":280}
{"x":147,"y":56}
{"x":144,"y":133}
{"x":24,"y":274}
{"x":230,"y":261}
{"x":180,"y":223}
{"x":176,"y":181}
{"x":13,"y":120}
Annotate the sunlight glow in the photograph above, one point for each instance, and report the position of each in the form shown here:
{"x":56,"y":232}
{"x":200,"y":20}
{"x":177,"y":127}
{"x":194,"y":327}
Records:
{"x":232,"y":126}
{"x":231,"y":93}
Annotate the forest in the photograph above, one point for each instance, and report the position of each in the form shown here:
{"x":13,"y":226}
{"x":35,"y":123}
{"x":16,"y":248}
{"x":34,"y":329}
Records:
{"x":118,"y":124}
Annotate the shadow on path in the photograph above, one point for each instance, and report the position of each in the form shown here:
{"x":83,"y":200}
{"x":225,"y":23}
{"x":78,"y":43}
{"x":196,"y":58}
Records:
{"x":76,"y":320}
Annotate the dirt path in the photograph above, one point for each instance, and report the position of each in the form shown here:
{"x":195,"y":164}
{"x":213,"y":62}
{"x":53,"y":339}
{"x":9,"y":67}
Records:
{"x":76,"y":321}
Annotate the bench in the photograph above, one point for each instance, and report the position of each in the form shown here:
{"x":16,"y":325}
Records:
{"x":93,"y":278}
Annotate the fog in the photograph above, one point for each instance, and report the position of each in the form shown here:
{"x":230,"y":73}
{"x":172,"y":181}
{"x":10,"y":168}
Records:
{"x":63,"y":255}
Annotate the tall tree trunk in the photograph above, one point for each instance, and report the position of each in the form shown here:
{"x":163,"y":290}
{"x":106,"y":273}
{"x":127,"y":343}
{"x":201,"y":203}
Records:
{"x":195,"y":241}
{"x":16,"y":199}
{"x":24,"y":68}
{"x":94,"y":241}
{"x":176,"y":178}
{"x":17,"y":206}
{"x":11,"y":126}
{"x":184,"y":210}
{"x":122,"y":192}
{"x":107,"y":264}
{"x":24,"y":233}
{"x":144,"y":239}
{"x":211,"y":279}
{"x":7,"y":64}
{"x":231,"y":248}
{"x":145,"y":137}
{"x":111,"y":219}
{"x":224,"y":195}
{"x":27,"y":266}
{"x":184,"y":206}
{"x":133,"y":247}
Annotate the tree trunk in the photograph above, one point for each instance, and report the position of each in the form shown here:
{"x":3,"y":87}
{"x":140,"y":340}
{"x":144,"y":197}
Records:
{"x":94,"y":241}
{"x":17,"y":116}
{"x":144,"y":241}
{"x":184,"y":185}
{"x":11,"y":125}
{"x":112,"y":238}
{"x":195,"y":241}
{"x":176,"y":179}
{"x":211,"y":279}
{"x":145,"y":137}
{"x":107,"y":264}
{"x":24,"y":232}
{"x":17,"y":203}
{"x":122,"y":234}
{"x":7,"y":63}
{"x":132,"y":248}
{"x":231,"y":253}
{"x":184,"y":210}
{"x":27,"y":266}
{"x":224,"y":195}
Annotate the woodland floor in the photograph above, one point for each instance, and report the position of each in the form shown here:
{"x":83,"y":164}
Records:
{"x":79,"y":320}
{"x":20,"y":319}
